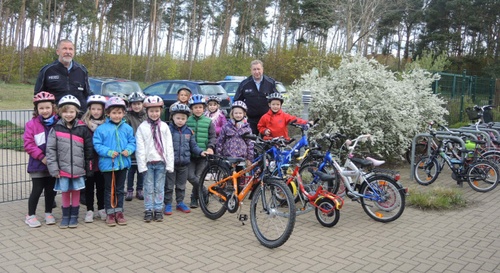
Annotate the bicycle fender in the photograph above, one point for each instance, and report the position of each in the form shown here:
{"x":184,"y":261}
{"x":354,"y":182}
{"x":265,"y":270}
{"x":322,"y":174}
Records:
{"x":338,"y":201}
{"x":293,"y":186}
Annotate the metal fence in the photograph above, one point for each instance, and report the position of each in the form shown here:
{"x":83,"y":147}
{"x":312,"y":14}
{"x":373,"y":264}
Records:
{"x":14,"y":180}
{"x":462,"y":89}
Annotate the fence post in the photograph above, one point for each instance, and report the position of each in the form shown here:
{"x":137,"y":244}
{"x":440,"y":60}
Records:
{"x":462,"y":95}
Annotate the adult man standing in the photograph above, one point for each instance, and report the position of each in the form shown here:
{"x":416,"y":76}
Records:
{"x":254,"y":91}
{"x":64,"y":76}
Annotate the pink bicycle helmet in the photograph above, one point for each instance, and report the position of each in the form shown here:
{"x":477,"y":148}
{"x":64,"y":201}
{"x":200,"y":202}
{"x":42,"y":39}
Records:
{"x":115,"y":101}
{"x":153,"y":101}
{"x":43,"y":96}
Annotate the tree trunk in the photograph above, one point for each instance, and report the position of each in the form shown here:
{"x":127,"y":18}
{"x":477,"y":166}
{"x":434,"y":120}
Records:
{"x":229,"y":12}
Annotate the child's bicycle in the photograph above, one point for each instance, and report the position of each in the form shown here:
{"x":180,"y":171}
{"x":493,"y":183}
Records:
{"x":379,"y":191}
{"x":272,"y":207}
{"x":481,"y":175}
{"x":325,"y":203}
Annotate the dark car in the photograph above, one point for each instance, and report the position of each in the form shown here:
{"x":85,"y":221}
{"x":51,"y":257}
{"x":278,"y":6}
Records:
{"x":167,"y":90}
{"x":110,"y":87}
{"x":231,"y":83}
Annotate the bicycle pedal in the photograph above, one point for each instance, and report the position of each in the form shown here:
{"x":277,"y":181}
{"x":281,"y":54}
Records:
{"x":243,"y":217}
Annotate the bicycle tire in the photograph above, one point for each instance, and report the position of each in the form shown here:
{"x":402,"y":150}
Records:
{"x":332,"y":215}
{"x":308,"y":176}
{"x":426,"y":171}
{"x":393,"y":205}
{"x":211,"y":205}
{"x":272,"y":220}
{"x":483,"y":176}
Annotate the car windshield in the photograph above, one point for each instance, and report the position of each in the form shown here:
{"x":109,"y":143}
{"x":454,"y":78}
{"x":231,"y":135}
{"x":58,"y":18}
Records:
{"x":230,"y":87}
{"x":212,"y":89}
{"x":125,"y":87}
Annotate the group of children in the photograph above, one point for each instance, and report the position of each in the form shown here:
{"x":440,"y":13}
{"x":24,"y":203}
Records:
{"x":108,"y":144}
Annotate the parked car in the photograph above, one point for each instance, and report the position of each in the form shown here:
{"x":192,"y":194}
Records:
{"x":167,"y":90}
{"x":231,"y":83}
{"x":109,"y":87}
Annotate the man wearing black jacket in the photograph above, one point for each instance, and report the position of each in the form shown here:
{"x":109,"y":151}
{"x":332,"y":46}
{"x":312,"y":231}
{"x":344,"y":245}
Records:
{"x":254,"y":91}
{"x":64,"y":76}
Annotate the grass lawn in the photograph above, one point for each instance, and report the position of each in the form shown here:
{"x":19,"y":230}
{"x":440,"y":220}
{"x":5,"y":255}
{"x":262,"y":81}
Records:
{"x":16,"y":96}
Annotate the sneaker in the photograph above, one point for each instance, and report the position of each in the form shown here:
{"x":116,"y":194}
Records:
{"x":89,"y":217}
{"x":32,"y":221}
{"x":102,"y":214}
{"x":158,"y":216}
{"x":111,"y":220}
{"x":49,"y":219}
{"x":168,"y":209}
{"x":194,"y":203}
{"x":120,"y":219}
{"x":182,"y":207}
{"x":139,"y":195}
{"x":130,"y":196}
{"x":148,"y":216}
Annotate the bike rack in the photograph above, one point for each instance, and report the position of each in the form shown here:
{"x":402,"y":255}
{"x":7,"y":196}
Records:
{"x":439,"y":135}
{"x":486,"y":135}
{"x":485,"y":129}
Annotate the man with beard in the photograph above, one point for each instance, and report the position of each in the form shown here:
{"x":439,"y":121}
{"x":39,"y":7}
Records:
{"x":64,"y":76}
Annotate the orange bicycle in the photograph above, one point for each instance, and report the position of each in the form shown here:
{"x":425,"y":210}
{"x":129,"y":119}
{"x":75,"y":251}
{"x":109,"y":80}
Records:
{"x":272,"y":207}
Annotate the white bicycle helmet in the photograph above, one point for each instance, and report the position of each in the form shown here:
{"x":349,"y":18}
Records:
{"x":275,"y":96}
{"x":96,"y":99}
{"x":239,"y":104}
{"x":69,"y":99}
{"x":153,"y":101}
{"x":115,"y":101}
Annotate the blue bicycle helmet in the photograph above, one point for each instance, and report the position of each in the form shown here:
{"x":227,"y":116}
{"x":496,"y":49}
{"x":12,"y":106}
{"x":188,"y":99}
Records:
{"x":197,"y":99}
{"x":179,"y":108}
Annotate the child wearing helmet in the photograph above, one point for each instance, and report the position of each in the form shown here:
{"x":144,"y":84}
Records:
{"x":35,"y":137}
{"x":230,"y":141}
{"x":69,"y":158}
{"x":204,"y":133}
{"x":155,"y":157}
{"x":274,"y":123}
{"x":218,"y":116}
{"x":93,"y":118}
{"x":134,"y":117}
{"x":114,"y":142}
{"x":184,"y":146}
{"x":183,"y":96}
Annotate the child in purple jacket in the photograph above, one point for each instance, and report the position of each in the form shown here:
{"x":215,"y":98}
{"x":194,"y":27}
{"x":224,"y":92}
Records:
{"x":35,"y":141}
{"x":213,"y":112}
{"x":230,"y":141}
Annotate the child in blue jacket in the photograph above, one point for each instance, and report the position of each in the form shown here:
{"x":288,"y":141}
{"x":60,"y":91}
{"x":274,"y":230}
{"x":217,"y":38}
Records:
{"x":114,"y":142}
{"x":184,"y":144}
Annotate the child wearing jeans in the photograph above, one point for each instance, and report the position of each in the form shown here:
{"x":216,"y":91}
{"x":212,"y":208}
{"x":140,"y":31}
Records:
{"x":213,"y":112}
{"x":274,"y":123}
{"x":69,"y":158}
{"x":35,"y":137}
{"x":184,"y":145}
{"x":204,"y":133}
{"x":155,"y":157}
{"x":114,"y":142}
{"x":135,"y":116}
{"x":93,"y":118}
{"x":230,"y":141}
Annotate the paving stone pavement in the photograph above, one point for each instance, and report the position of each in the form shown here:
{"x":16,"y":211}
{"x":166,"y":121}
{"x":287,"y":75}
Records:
{"x":466,"y":240}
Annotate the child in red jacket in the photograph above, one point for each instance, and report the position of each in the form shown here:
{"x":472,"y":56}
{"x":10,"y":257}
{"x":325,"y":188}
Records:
{"x":274,"y":122}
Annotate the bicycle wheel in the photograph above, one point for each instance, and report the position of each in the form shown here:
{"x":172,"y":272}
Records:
{"x":272,"y":220}
{"x":483,"y":176}
{"x":391,"y":204}
{"x":326,"y":212}
{"x":426,"y":171}
{"x":213,"y":206}
{"x":307,"y":171}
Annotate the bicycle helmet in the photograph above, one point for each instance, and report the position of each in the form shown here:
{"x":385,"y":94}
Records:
{"x":43,"y":96}
{"x":69,"y":99}
{"x":96,"y":99}
{"x":153,"y":101}
{"x":180,"y":108}
{"x":196,"y":99}
{"x":115,"y":101}
{"x":214,"y":98}
{"x":275,"y":96}
{"x":184,"y":88}
{"x":239,"y":104}
{"x":121,"y":96}
{"x":136,"y":97}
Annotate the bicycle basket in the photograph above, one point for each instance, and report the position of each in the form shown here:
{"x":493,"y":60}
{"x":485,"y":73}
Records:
{"x":473,"y":114}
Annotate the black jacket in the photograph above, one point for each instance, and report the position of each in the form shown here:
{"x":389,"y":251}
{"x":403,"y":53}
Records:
{"x":55,"y":79}
{"x":255,"y":100}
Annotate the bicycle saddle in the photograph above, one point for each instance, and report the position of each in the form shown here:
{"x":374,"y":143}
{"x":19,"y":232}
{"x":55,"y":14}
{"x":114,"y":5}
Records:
{"x":235,"y":160}
{"x":324,"y":176}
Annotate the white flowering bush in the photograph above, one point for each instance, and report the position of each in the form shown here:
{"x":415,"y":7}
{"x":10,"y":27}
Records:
{"x":362,"y":96}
